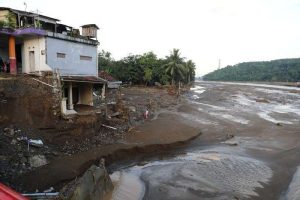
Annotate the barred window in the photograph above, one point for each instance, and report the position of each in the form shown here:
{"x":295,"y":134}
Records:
{"x":60,"y":55}
{"x":89,"y":58}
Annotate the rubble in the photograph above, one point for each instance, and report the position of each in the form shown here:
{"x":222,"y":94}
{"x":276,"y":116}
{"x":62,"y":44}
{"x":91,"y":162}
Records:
{"x":35,"y":143}
{"x":114,"y":128}
{"x":10,"y":132}
{"x":230,"y":142}
{"x":24,"y":148}
{"x":37,"y":161}
{"x":95,"y":184}
{"x":115,"y":114}
{"x":132,"y":108}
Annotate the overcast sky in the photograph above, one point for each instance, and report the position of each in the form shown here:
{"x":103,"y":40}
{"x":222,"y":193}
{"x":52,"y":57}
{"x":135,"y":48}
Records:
{"x":204,"y":30}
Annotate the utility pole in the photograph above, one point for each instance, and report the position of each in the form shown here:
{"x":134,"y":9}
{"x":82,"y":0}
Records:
{"x":219,"y":64}
{"x":25,"y":4}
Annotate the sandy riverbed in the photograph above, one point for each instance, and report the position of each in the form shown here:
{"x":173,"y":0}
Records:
{"x":259,"y":162}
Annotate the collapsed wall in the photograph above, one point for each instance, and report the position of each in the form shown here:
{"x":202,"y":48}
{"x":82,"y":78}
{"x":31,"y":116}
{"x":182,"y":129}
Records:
{"x":26,"y":100}
{"x":34,"y":102}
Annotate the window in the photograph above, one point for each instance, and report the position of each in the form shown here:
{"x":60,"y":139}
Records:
{"x":60,"y":55}
{"x":89,"y":58}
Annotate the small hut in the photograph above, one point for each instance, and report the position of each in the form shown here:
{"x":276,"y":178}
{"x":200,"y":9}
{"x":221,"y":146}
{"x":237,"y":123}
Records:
{"x":90,"y":30}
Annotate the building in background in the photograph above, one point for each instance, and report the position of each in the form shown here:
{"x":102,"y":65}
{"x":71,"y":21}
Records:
{"x":34,"y":44}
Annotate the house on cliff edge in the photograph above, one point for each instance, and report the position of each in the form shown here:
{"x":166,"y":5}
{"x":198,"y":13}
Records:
{"x":31,"y":43}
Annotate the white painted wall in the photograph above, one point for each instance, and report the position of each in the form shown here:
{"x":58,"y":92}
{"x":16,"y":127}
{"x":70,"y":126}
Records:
{"x":72,"y":64}
{"x":38,"y":45}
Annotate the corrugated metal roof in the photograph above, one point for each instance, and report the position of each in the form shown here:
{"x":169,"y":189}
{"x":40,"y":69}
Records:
{"x":106,"y":76}
{"x":90,"y":25}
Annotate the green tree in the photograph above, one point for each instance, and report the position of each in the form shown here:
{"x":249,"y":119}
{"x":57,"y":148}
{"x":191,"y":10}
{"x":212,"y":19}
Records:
{"x":10,"y":21}
{"x":105,"y":61}
{"x":147,"y":75}
{"x":175,"y":67}
{"x":190,"y":70}
{"x":275,"y":70}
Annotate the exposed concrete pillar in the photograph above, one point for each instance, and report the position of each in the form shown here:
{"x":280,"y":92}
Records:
{"x":103,"y":92}
{"x":12,"y":54}
{"x":70,"y":97}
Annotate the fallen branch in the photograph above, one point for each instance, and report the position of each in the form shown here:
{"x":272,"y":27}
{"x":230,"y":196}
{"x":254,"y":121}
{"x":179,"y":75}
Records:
{"x":106,"y":126}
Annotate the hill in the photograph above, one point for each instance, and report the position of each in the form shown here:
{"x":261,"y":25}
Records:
{"x":276,"y":70}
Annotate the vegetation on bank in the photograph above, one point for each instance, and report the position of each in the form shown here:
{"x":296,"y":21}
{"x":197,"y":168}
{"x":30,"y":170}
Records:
{"x":148,"y":68}
{"x":283,"y":70}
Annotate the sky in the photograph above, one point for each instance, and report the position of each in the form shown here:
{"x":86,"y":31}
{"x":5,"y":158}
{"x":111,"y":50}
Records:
{"x":205,"y":31}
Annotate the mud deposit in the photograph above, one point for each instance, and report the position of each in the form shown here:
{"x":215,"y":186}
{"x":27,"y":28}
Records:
{"x":249,"y":148}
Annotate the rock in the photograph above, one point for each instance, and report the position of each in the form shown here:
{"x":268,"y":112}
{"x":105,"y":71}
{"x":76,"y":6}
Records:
{"x":229,"y":136}
{"x":278,"y":124}
{"x":157,"y":84}
{"x":132,"y":108}
{"x":115,"y":114}
{"x":10,"y":132}
{"x":37,"y":161}
{"x":23,"y":138}
{"x":23,"y":160}
{"x":13,"y":142}
{"x":262,"y":100}
{"x":51,"y":189}
{"x":93,"y":185}
{"x":230,"y":142}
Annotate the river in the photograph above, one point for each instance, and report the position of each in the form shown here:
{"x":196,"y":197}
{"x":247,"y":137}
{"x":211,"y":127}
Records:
{"x":249,"y":148}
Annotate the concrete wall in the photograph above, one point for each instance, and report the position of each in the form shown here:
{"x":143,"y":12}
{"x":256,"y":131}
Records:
{"x":37,"y":45}
{"x":71,"y":64}
{"x":85,"y":94}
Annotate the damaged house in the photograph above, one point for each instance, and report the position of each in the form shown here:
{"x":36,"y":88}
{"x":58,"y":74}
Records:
{"x":34,"y":44}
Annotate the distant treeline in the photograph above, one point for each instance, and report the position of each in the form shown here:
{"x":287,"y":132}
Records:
{"x":148,"y":68}
{"x":282,"y":70}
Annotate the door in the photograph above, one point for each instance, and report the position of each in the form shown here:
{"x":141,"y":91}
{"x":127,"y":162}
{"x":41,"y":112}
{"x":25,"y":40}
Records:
{"x":31,"y":61}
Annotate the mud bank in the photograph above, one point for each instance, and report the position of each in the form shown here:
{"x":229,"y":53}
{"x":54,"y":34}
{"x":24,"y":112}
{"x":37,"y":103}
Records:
{"x":67,"y":168}
{"x":149,"y":141}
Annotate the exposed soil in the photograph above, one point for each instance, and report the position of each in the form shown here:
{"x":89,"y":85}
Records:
{"x":82,"y":140}
{"x":249,"y":147}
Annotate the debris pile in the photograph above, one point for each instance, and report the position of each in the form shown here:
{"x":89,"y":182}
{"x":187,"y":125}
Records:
{"x":19,"y":153}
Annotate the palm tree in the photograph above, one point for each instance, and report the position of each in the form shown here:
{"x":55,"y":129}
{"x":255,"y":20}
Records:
{"x":175,"y":67}
{"x":190,"y":70}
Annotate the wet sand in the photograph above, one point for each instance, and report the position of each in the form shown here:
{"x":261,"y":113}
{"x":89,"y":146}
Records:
{"x":249,"y":148}
{"x":251,"y":133}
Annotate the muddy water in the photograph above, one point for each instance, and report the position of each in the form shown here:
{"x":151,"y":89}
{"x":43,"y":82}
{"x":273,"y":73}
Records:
{"x":264,"y":121}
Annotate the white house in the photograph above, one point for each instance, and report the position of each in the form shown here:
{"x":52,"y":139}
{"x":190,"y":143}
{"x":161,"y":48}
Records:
{"x":31,"y":43}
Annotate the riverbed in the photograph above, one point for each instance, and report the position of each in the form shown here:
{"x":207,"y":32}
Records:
{"x":249,"y":148}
